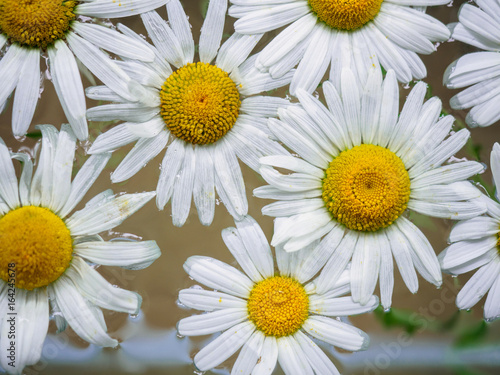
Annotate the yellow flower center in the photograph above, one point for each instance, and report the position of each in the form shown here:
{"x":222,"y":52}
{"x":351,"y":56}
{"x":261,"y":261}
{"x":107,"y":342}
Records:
{"x":36,"y":23}
{"x":278,"y":306}
{"x":36,"y":243}
{"x":199,"y":103}
{"x":345,"y":14}
{"x":366,"y":188}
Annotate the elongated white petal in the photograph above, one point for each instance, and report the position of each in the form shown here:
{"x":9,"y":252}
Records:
{"x":85,"y":319}
{"x":9,"y":191}
{"x":223,"y":346}
{"x":478,"y":285}
{"x":10,"y":69}
{"x":204,"y":185}
{"x":170,"y":166}
{"x":268,"y":358}
{"x":183,"y":189}
{"x":92,"y":220}
{"x":114,"y":9}
{"x":126,"y":254}
{"x":25,"y":180}
{"x":218,"y":275}
{"x":104,"y":68}
{"x":366,"y":265}
{"x":216,"y":321}
{"x":341,"y":306}
{"x":83,"y":180}
{"x":250,"y":354}
{"x":336,"y":333}
{"x":209,"y":300}
{"x":291,"y":357}
{"x":492,"y":304}
{"x":100,"y":292}
{"x":27,"y":92}
{"x":211,"y":31}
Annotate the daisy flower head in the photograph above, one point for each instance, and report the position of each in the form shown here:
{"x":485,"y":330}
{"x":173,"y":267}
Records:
{"x":271,"y":315}
{"x":61,"y":30}
{"x":45,"y":252}
{"x":475,"y":244}
{"x":479,"y":27}
{"x":360,"y":167}
{"x":357,"y":34}
{"x":208,"y":109}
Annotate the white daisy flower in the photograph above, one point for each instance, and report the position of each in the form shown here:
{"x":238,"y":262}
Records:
{"x":270,"y":315}
{"x":360,"y":168}
{"x":479,"y":27}
{"x":61,"y":30}
{"x":45,"y":251}
{"x":341,"y":34}
{"x":475,"y":244}
{"x":208,"y":109}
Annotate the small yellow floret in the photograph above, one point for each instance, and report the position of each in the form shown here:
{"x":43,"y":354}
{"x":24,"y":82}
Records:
{"x":278,"y":306}
{"x":36,"y":23}
{"x":345,"y":14}
{"x":38,"y":243}
{"x":199,"y":103}
{"x":366,"y":188}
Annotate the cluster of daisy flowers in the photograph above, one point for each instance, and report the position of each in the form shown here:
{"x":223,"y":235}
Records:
{"x":344,"y":169}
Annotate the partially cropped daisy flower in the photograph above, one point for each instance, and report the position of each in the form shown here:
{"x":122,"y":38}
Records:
{"x":360,"y":168}
{"x":341,"y":34}
{"x":208,"y":109}
{"x":271,"y":315}
{"x":45,"y":251}
{"x":479,"y":27}
{"x":475,"y":243}
{"x":61,"y":29}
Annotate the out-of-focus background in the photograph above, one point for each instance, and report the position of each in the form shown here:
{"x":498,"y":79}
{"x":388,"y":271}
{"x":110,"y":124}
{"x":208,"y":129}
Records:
{"x":424,"y":333}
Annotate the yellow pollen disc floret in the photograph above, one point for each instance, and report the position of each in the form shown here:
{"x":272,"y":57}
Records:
{"x":36,"y":23}
{"x":366,"y":188}
{"x":38,"y":243}
{"x":199,"y":103}
{"x":278,"y":306}
{"x":345,"y":14}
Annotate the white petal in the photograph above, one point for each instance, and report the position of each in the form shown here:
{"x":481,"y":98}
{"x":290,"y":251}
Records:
{"x":268,"y":358}
{"x":461,"y":252}
{"x":492,"y":304}
{"x":256,"y":244}
{"x":164,"y":38}
{"x":62,"y":168}
{"x":229,"y":173}
{"x":126,"y":254}
{"x":204,"y":182}
{"x":319,"y":361}
{"x":30,"y":322}
{"x":449,"y":210}
{"x":341,"y":306}
{"x":183,"y":189}
{"x":84,"y":179}
{"x":495,"y":163}
{"x":291,"y":358}
{"x":209,"y":300}
{"x":457,"y":191}
{"x":386,"y":273}
{"x":104,"y":68}
{"x":293,"y":164}
{"x":85,"y":319}
{"x":144,"y":150}
{"x":366,"y":265}
{"x":24,"y":181}
{"x":9,"y":191}
{"x":474,"y":229}
{"x":113,"y":41}
{"x":313,"y":65}
{"x":27,"y":93}
{"x":389,"y":110}
{"x":92,"y":220}
{"x":447,"y":174}
{"x":42,"y":183}
{"x":180,"y":25}
{"x":206,"y":324}
{"x":218,"y":275}
{"x":211,"y":31}
{"x":336,"y":333}
{"x":169,"y":171}
{"x":337,"y":263}
{"x":478,"y":285}
{"x":11,"y":65}
{"x":250,"y":354}
{"x":223,"y":347}
{"x":113,"y":9}
{"x":263,"y":106}
{"x":235,"y":51}
{"x":270,"y":192}
{"x":401,"y":251}
{"x":100,"y":292}
{"x":422,"y":253}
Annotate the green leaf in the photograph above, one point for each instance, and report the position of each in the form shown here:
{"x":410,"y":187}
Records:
{"x":472,"y":336}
